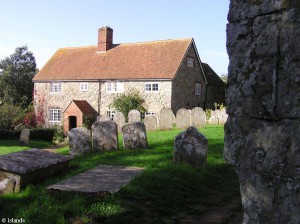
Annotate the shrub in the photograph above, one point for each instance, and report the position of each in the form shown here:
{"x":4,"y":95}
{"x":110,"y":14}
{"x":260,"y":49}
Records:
{"x":59,"y":135}
{"x":11,"y":116}
{"x":42,"y":134}
{"x":127,"y":102}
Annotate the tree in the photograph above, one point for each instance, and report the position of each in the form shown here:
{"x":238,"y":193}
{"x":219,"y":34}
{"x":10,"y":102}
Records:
{"x":18,"y":70}
{"x":127,"y":102}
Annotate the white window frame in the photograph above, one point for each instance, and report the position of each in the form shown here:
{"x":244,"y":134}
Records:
{"x":84,"y":86}
{"x":55,"y":87}
{"x":198,"y":88}
{"x":190,"y":62}
{"x":147,"y":114}
{"x":54,"y":115}
{"x":114,"y":87}
{"x":111,"y":113}
{"x":149,"y":87}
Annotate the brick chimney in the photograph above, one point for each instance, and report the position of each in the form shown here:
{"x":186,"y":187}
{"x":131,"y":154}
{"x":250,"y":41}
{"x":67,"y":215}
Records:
{"x":105,"y":38}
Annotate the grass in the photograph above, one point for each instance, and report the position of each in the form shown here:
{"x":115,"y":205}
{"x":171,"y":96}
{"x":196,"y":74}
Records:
{"x":164,"y":193}
{"x":9,"y":146}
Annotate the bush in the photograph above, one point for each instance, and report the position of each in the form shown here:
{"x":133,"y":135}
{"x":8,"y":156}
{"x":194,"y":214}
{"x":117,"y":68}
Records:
{"x":7,"y":134}
{"x":127,"y":102}
{"x":45,"y":134}
{"x":11,"y":116}
{"x":59,"y":135}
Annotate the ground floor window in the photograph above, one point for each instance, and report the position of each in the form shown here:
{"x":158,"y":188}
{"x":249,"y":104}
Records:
{"x":143,"y":115}
{"x":55,"y":115}
{"x":111,"y":113}
{"x":198,"y":89}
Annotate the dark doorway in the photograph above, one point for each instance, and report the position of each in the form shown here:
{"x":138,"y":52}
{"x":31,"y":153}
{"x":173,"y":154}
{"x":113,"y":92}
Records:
{"x":72,"y":122}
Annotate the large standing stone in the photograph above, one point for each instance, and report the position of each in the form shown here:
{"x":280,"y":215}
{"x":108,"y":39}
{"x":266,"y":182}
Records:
{"x":134,"y":136}
{"x":24,"y":137}
{"x":191,"y":147}
{"x":151,"y":122}
{"x":166,"y":118}
{"x":134,"y":116}
{"x":103,"y":118}
{"x":80,"y":141}
{"x":105,"y":136}
{"x":263,"y":92}
{"x":183,"y":118}
{"x":198,"y":117}
{"x":119,"y":118}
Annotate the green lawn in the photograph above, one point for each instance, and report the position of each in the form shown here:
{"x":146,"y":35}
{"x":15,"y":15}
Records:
{"x":163,"y":193}
{"x":9,"y":146}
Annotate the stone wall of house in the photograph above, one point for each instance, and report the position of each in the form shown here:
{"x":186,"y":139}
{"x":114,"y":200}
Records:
{"x":183,"y":87}
{"x":154,"y":101}
{"x":263,"y":101}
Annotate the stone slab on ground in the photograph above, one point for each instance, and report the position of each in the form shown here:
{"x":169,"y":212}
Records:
{"x":30,"y":166}
{"x":101,"y":179}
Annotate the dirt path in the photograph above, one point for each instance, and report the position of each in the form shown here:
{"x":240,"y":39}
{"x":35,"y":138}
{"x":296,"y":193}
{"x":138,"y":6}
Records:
{"x":53,"y":148}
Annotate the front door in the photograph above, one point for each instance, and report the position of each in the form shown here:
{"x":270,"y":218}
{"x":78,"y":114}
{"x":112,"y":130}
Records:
{"x":72,"y":122}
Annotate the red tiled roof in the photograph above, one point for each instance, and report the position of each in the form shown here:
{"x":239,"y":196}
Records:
{"x":148,"y":60}
{"x":84,"y":107}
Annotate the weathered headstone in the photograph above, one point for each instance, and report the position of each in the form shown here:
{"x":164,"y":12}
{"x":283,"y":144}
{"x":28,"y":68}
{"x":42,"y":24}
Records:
{"x":262,"y":131}
{"x":24,"y":137}
{"x":151,"y":122}
{"x":104,"y":136}
{"x":103,"y":118}
{"x":119,"y":118}
{"x":166,"y":118}
{"x":7,"y":186}
{"x":134,"y":136}
{"x":213,"y":120}
{"x":191,"y":147}
{"x":198,"y":117}
{"x":80,"y":141}
{"x":183,"y":118}
{"x":223,"y":116}
{"x":134,"y":116}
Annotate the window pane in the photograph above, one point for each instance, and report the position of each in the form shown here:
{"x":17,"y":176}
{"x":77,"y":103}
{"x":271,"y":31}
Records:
{"x":148,"y":87}
{"x":155,"y":87}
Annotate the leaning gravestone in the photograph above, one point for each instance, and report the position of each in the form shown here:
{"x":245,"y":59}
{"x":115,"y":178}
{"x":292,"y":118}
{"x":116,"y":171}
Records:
{"x":134,"y":116}
{"x":119,"y":118}
{"x":198,"y":117}
{"x":151,"y":123}
{"x":191,"y":147}
{"x":24,"y":137}
{"x":166,"y":118}
{"x":103,"y":118}
{"x":183,"y":118}
{"x":104,"y":136}
{"x":134,"y":136}
{"x":80,"y":141}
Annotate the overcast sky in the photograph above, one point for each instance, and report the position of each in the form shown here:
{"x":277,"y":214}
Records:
{"x":45,"y":26}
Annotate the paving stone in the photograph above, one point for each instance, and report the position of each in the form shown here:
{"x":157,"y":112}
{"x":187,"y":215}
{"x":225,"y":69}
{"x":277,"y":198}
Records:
{"x":102,"y":179}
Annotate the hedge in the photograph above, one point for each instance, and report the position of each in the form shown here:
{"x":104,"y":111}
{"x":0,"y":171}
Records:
{"x":45,"y":134}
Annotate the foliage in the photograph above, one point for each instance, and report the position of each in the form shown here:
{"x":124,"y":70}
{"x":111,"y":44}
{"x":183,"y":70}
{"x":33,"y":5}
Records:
{"x":129,"y":101}
{"x":11,"y":116}
{"x":16,"y":82}
{"x":164,"y":193}
{"x":45,"y":134}
{"x":88,"y":122}
{"x":59,"y":135}
{"x":208,"y":114}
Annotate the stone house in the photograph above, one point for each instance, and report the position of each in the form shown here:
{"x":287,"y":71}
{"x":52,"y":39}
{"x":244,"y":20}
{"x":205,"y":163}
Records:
{"x":167,"y":73}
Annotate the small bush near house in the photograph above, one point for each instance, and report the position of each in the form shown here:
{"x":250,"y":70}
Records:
{"x":46,"y":134}
{"x":59,"y":135}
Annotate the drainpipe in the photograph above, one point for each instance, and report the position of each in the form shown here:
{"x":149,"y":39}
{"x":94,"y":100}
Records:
{"x":99,"y":96}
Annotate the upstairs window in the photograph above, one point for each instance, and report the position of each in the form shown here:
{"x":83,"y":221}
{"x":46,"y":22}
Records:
{"x":114,"y":87}
{"x":55,"y":115}
{"x":190,"y":62}
{"x":83,"y":86}
{"x":198,"y":89}
{"x":151,"y":87}
{"x":55,"y":87}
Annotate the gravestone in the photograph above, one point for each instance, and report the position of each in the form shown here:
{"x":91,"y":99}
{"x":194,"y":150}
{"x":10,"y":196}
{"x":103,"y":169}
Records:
{"x":7,"y":186}
{"x":183,"y":118}
{"x":191,"y":147}
{"x":151,"y":122}
{"x":134,"y":136}
{"x":134,"y":116}
{"x":213,"y":120}
{"x":223,"y":116}
{"x":103,"y":118}
{"x":166,"y":118}
{"x":198,"y":117}
{"x":263,"y":128}
{"x":24,"y":137}
{"x":104,"y":136}
{"x":119,"y":119}
{"x":80,"y":141}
